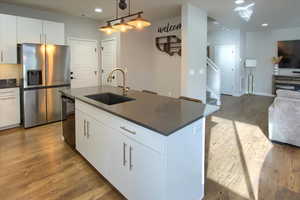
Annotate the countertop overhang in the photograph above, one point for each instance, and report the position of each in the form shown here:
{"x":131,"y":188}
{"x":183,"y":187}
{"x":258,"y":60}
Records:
{"x":161,"y":114}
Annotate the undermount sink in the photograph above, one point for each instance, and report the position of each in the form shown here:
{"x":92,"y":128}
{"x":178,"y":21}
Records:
{"x":109,"y":98}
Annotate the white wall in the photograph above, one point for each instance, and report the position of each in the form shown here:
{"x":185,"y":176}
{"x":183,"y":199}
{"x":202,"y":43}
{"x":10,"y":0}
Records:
{"x":166,"y":68}
{"x":136,"y":56}
{"x":194,"y":52}
{"x":259,"y":47}
{"x":263,"y":46}
{"x":237,"y":38}
{"x":74,"y":26}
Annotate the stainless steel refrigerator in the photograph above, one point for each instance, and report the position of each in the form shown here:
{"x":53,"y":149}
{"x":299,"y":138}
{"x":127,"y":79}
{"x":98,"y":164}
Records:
{"x":45,"y":70}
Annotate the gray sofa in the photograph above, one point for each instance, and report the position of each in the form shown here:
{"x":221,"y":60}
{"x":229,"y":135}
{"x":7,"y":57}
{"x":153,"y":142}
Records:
{"x":284,"y":118}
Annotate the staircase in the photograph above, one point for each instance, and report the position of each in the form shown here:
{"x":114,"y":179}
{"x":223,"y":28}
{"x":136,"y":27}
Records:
{"x":213,"y":91}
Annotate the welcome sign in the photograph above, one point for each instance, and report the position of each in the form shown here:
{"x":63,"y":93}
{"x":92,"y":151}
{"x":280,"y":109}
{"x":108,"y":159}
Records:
{"x":169,"y":28}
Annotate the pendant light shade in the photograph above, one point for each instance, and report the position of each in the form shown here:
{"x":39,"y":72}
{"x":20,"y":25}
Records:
{"x":139,"y":22}
{"x":108,"y":29}
{"x":122,"y":26}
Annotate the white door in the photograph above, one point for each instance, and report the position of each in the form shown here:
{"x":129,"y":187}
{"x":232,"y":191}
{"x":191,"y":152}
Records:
{"x":82,"y":145}
{"x":109,"y":59}
{"x":8,"y":39}
{"x":54,"y":33}
{"x":119,"y":161}
{"x":100,"y":146}
{"x":145,"y":172}
{"x":84,"y":63}
{"x":225,"y":58}
{"x":29,"y":30}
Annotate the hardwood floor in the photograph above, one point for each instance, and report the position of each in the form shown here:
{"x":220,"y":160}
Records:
{"x":241,"y":162}
{"x":35,"y":164}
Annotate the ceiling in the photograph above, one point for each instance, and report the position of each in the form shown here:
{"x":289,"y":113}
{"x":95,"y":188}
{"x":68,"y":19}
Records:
{"x":277,"y":13}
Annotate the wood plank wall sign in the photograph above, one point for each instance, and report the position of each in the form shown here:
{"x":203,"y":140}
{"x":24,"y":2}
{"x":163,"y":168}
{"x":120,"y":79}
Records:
{"x":170,"y":44}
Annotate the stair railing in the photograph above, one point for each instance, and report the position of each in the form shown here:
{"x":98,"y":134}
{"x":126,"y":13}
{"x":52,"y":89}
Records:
{"x":214,"y":80}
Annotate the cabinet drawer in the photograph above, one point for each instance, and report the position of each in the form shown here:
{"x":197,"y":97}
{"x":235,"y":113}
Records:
{"x":10,"y":107}
{"x":131,"y":130}
{"x":9,"y":92}
{"x":142,"y":135}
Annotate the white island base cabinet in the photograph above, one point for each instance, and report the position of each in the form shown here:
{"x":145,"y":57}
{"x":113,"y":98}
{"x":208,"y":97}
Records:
{"x":140,"y":163}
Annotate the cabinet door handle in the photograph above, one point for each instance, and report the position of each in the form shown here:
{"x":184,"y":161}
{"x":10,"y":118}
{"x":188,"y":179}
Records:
{"x":1,"y":56}
{"x":87,"y":129}
{"x":84,"y":128}
{"x":127,"y":130}
{"x":130,"y":158}
{"x":124,"y":154}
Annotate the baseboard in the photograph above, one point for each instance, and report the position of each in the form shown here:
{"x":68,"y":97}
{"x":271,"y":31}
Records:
{"x":263,"y":94}
{"x":282,"y":143}
{"x":9,"y":127}
{"x":238,"y":94}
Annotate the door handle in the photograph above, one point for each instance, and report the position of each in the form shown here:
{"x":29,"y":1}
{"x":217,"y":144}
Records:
{"x":130,"y":158}
{"x":124,"y":154}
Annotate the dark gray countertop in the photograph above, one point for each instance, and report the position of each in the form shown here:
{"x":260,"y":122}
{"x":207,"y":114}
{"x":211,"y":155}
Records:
{"x":8,"y":83}
{"x":161,"y":114}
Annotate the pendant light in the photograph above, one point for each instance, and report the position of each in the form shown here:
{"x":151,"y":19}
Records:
{"x":108,"y":29}
{"x":122,"y":26}
{"x":139,"y":22}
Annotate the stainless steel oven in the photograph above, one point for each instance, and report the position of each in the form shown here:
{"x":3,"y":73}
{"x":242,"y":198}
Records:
{"x":68,"y":120}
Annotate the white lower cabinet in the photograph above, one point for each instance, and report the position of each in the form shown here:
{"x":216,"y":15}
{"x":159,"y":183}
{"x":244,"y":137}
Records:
{"x":133,"y":168}
{"x":9,"y":108}
{"x":140,"y":163}
{"x":145,"y":172}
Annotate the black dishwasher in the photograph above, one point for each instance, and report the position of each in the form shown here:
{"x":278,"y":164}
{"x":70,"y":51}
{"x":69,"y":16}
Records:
{"x":68,"y":120}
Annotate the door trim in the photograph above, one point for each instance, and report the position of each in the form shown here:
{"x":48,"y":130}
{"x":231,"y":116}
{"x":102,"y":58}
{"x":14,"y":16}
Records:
{"x":117,"y":54}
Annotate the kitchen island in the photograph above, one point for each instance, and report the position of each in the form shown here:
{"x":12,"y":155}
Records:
{"x":150,"y":147}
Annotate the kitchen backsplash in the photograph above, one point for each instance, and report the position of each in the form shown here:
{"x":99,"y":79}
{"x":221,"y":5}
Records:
{"x":8,"y":71}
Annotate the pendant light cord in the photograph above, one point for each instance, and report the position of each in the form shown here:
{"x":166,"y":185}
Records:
{"x":129,"y":7}
{"x":117,"y":9}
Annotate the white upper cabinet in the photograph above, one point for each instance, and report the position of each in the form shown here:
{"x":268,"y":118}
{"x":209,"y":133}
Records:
{"x":40,"y":32}
{"x":54,"y":33}
{"x":8,"y":39}
{"x":29,"y":30}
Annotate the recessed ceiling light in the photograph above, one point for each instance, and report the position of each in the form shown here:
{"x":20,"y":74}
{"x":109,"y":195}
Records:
{"x":98,"y":10}
{"x":265,"y":25}
{"x":238,"y":2}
